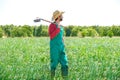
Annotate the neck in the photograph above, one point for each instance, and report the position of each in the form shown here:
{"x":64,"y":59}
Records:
{"x":58,"y":22}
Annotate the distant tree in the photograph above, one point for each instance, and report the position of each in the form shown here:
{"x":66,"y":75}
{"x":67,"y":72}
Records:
{"x":28,"y":30}
{"x":92,"y":32}
{"x":116,"y":30}
{"x":1,"y":32}
{"x":18,"y":32}
{"x":44,"y":32}
{"x":68,"y":30}
{"x":38,"y":31}
{"x":84,"y":32}
{"x":75,"y":31}
{"x":110,"y":33}
{"x":79,"y":34}
{"x":7,"y":29}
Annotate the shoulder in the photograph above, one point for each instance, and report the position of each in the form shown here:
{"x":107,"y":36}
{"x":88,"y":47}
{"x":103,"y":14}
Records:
{"x":52,"y":25}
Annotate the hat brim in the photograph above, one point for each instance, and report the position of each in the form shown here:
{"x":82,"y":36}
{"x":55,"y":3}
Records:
{"x":60,"y":14}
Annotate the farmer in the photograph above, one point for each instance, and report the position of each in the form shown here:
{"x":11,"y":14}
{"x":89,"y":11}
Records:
{"x":57,"y":48}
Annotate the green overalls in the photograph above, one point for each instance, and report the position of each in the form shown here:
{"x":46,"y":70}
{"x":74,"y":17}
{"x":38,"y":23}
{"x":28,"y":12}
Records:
{"x":57,"y":54}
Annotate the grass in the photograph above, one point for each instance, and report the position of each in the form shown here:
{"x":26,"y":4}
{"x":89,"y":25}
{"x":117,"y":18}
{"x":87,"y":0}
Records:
{"x":89,"y":59}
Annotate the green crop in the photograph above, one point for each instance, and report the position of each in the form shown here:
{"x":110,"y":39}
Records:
{"x":89,"y":59}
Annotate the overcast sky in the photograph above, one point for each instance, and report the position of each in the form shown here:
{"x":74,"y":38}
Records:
{"x":77,"y":12}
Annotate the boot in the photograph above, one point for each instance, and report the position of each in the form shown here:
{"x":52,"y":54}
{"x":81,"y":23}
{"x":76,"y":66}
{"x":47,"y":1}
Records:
{"x":65,"y":77}
{"x":52,"y":74}
{"x":64,"y":71}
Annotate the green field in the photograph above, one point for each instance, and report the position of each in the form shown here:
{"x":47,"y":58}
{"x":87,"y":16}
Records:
{"x":89,"y":59}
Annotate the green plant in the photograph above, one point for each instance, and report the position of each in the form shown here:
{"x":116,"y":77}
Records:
{"x":1,"y":32}
{"x":28,"y":58}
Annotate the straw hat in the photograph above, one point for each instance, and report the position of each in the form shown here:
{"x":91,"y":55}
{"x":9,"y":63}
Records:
{"x":56,"y":14}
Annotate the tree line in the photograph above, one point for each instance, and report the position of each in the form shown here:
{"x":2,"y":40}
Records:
{"x":71,"y":30}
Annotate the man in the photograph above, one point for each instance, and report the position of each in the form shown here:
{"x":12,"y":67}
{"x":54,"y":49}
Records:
{"x":57,"y":48}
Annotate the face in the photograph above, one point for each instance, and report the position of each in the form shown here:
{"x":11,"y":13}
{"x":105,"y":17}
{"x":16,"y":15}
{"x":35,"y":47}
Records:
{"x":61,"y":18}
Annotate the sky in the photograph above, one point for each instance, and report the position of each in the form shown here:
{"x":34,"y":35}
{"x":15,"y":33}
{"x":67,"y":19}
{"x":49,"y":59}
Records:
{"x":77,"y":12}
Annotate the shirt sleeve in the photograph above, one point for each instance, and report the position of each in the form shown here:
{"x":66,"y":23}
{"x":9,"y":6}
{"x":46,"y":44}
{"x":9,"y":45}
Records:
{"x":53,"y":31}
